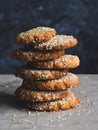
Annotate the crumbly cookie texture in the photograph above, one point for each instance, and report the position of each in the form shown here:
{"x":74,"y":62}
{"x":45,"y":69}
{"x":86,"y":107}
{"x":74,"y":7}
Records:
{"x":39,"y":96}
{"x":46,"y":80}
{"x":36,"y":35}
{"x":58,"y":42}
{"x":31,"y":74}
{"x":63,"y":62}
{"x":69,"y":102}
{"x":25,"y":55}
{"x":68,"y":81}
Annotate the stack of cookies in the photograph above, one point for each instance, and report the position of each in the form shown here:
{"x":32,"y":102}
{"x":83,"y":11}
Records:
{"x":45,"y":75}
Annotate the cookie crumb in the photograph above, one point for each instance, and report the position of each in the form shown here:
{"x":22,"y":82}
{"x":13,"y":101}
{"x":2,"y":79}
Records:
{"x":13,"y":119}
{"x":60,"y":125}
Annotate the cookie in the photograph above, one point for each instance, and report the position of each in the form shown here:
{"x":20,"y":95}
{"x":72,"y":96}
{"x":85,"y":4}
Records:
{"x":39,"y":96}
{"x":36,"y":35}
{"x":70,"y":80}
{"x":22,"y":54}
{"x":69,"y":102}
{"x":30,"y":74}
{"x":63,"y":62}
{"x":58,"y":42}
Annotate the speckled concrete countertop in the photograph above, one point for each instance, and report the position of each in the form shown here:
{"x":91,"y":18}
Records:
{"x":13,"y":115}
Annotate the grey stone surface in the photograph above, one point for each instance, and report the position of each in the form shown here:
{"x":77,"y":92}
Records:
{"x":78,"y":18}
{"x":13,"y":115}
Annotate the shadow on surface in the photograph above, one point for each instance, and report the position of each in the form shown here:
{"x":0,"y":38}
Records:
{"x":9,"y":100}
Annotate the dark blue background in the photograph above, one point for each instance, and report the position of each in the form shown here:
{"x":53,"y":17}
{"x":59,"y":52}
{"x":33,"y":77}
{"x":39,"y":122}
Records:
{"x":72,"y":17}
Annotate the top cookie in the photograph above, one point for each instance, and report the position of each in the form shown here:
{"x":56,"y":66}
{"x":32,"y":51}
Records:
{"x":36,"y":35}
{"x":57,"y":42}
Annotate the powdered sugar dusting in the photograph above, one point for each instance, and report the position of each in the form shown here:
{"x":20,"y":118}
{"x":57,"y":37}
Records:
{"x":50,"y":105}
{"x":69,"y":76}
{"x":39,"y":74}
{"x":35,"y":31}
{"x":34,"y":96}
{"x":58,"y":40}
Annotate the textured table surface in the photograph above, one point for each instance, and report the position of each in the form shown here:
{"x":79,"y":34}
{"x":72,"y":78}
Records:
{"x":13,"y":115}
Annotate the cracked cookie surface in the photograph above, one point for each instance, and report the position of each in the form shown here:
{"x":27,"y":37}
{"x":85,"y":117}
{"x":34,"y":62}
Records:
{"x":32,"y":74}
{"x":69,"y":102}
{"x":36,"y":35}
{"x":39,"y":96}
{"x":25,"y":55}
{"x":68,"y":81}
{"x":58,"y":42}
{"x":63,"y":62}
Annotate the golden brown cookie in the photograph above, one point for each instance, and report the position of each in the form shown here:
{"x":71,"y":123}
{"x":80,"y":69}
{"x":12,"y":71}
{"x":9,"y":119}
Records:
{"x":63,"y":62}
{"x":30,"y":74}
{"x":22,"y":54}
{"x":39,"y":96}
{"x":70,"y":80}
{"x":58,"y":42}
{"x":36,"y":35}
{"x":69,"y":102}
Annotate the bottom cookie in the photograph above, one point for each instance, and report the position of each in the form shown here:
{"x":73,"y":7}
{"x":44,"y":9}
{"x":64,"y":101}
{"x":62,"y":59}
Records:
{"x":69,"y":102}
